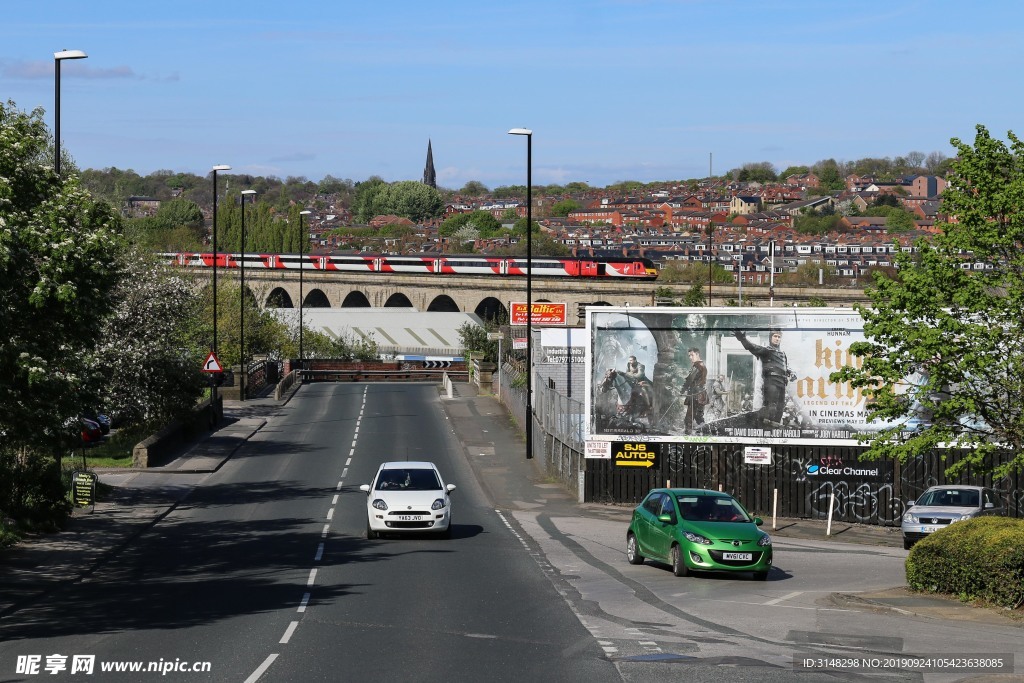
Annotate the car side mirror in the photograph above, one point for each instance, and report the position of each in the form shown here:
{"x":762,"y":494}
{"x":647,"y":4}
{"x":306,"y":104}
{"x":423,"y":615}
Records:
{"x":989,"y":505}
{"x":758,"y":521}
{"x":910,"y":503}
{"x":450,"y":487}
{"x":667,"y":519}
{"x":365,"y":488}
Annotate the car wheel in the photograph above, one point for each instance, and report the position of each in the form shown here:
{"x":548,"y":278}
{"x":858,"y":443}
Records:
{"x":679,"y":567}
{"x":632,"y":551}
{"x":370,"y":533}
{"x":907,"y":543}
{"x":760,"y":576}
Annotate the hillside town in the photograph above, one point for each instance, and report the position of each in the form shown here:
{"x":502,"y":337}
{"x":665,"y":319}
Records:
{"x":733,"y":225}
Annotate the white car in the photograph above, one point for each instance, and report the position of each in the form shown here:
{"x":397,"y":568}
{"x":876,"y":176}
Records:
{"x":408,"y":497}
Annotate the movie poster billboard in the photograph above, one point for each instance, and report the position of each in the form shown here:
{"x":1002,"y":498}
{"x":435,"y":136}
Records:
{"x":732,"y":375}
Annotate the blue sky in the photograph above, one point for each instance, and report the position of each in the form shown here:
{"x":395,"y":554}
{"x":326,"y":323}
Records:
{"x":613,"y":90}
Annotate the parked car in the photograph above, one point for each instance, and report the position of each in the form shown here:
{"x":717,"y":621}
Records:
{"x":940,"y":506}
{"x":92,"y":434}
{"x":698,"y":530}
{"x":99,"y":418}
{"x":408,"y":497}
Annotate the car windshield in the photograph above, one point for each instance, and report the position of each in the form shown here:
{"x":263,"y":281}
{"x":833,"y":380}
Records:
{"x":408,"y":480}
{"x":965,"y":498}
{"x":711,"y":509}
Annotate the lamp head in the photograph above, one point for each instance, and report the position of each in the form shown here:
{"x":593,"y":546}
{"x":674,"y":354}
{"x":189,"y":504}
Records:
{"x":221,"y":167}
{"x":305,"y":213}
{"x":520,"y":131}
{"x":69,"y":54}
{"x":247,"y":192}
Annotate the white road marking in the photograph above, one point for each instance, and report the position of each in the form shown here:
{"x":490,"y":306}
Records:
{"x":305,"y":601}
{"x":330,"y":514}
{"x":319,"y":553}
{"x":261,"y":669}
{"x":288,"y":633}
{"x":326,"y":529}
{"x":784,"y":597}
{"x":312,"y":577}
{"x":334,"y":501}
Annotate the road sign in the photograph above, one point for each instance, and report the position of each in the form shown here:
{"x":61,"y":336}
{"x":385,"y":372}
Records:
{"x":212,"y":364}
{"x":635,"y":455}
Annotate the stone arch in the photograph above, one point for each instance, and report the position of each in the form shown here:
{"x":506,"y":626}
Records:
{"x":355,"y":300}
{"x":443,"y":304}
{"x":398,"y":300}
{"x":279,"y":298}
{"x":492,"y":308}
{"x":316,"y":299}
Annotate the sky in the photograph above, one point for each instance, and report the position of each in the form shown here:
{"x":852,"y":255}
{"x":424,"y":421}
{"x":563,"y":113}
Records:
{"x":613,"y":90}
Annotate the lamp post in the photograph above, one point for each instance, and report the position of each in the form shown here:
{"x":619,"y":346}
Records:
{"x":529,"y":286}
{"x":59,"y":57}
{"x":302,"y":244}
{"x":711,"y":271}
{"x":219,"y":167}
{"x":241,"y":309}
{"x":771,"y":279}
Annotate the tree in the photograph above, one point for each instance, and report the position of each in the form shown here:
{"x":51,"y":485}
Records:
{"x":473,"y":339}
{"x":695,"y":296}
{"x":942,"y":358}
{"x":147,"y":364}
{"x":564,"y":207}
{"x":407,"y":198}
{"x":57,"y":270}
{"x":474,"y":188}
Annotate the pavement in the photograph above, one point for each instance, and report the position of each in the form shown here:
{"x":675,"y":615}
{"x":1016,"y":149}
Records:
{"x":42,"y":564}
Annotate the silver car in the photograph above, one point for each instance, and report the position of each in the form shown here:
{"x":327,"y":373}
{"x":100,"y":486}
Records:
{"x":940,"y":506}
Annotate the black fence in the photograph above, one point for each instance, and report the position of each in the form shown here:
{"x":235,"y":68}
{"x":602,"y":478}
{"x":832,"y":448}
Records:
{"x":800,"y":481}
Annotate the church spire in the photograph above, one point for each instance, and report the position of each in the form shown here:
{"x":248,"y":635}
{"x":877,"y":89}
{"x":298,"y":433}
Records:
{"x":429,"y":177}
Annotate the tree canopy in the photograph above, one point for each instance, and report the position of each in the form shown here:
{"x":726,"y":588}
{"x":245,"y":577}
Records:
{"x":942,"y":359}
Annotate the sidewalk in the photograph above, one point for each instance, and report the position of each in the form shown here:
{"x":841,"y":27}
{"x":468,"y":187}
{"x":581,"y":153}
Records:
{"x":42,"y":564}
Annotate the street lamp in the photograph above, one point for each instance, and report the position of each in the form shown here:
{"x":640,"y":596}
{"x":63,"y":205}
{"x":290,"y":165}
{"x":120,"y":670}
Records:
{"x":219,"y":167}
{"x":302,"y":243}
{"x":529,"y":286}
{"x":241,"y":309}
{"x":58,"y":57}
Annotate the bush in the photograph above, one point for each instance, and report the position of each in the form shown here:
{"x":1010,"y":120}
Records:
{"x":978,"y":559}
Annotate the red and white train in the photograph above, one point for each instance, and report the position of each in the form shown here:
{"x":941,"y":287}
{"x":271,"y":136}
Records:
{"x":581,"y":267}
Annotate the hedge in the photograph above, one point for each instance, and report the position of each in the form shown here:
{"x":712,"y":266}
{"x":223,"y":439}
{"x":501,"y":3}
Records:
{"x":977,"y":559}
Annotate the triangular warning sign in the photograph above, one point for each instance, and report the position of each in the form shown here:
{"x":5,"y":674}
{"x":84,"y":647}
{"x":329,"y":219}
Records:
{"x":212,"y":363}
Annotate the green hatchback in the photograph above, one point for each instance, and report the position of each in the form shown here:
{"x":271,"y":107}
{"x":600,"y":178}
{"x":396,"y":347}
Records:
{"x":698,"y":530}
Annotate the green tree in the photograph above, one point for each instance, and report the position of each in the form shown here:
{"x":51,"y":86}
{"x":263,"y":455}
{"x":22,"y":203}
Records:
{"x":473,"y":339}
{"x":565,"y":207}
{"x":695,"y":296}
{"x":942,"y":358}
{"x":474,"y":188}
{"x":57,"y":269}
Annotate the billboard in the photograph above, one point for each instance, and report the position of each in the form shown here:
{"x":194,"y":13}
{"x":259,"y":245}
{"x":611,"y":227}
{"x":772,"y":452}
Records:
{"x":544,"y":313}
{"x":732,"y":375}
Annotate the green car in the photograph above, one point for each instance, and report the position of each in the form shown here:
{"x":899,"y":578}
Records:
{"x":698,"y":530}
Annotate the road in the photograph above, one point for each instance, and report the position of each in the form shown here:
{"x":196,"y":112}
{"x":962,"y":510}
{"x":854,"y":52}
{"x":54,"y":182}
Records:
{"x":263,"y":571}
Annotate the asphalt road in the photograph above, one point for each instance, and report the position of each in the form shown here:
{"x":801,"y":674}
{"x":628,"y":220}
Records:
{"x":263,"y":569}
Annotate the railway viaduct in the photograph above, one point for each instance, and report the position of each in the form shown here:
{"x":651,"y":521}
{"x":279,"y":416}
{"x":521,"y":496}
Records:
{"x":488,"y":296}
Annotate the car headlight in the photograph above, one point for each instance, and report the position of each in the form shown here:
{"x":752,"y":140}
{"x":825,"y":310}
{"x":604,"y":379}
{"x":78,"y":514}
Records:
{"x":908,"y":517}
{"x":967,"y":516}
{"x":438,"y":504}
{"x":379,"y":504}
{"x":696,"y":538}
{"x":765,"y":540}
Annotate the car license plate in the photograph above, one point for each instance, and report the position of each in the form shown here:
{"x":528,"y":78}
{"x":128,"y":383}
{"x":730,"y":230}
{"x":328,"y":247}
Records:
{"x":408,"y":518}
{"x":738,"y":556}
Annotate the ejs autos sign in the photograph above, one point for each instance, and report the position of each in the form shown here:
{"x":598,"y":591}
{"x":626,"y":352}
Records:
{"x":543,"y":313}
